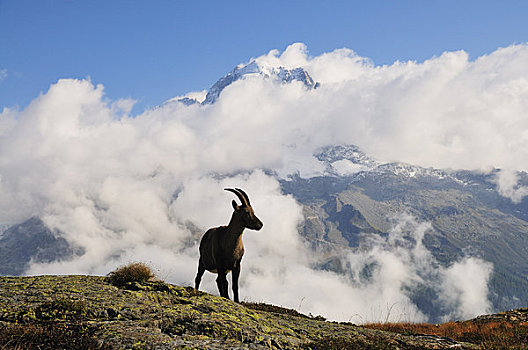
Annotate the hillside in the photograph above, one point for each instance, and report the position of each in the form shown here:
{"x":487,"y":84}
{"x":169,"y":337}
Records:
{"x":467,"y":214}
{"x":86,"y":312}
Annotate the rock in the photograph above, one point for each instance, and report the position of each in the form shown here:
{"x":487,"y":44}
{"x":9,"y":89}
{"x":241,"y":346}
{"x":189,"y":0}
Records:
{"x":65,"y":311}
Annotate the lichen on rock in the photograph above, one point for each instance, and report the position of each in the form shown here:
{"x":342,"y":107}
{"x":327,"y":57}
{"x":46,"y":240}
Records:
{"x":158,"y":315}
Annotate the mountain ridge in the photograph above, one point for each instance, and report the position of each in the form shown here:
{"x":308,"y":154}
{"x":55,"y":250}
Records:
{"x":468,"y":218}
{"x":65,"y":311}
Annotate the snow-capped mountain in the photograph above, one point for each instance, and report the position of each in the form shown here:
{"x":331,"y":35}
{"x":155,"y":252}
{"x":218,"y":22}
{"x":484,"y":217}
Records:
{"x":348,"y":160}
{"x":345,"y":160}
{"x":252,"y":69}
{"x":352,"y":153}
{"x":356,"y":197}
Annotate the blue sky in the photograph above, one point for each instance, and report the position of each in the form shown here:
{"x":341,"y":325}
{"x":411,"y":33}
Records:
{"x":154,"y":50}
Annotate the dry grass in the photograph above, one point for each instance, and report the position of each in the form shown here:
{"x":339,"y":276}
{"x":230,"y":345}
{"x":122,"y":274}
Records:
{"x":134,"y":272}
{"x":486,"y":334}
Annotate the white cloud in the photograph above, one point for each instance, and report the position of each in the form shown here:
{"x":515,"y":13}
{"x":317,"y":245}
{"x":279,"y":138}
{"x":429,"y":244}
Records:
{"x":384,"y":268}
{"x":108,"y":180}
{"x":465,"y":288}
{"x":446,"y":112}
{"x":3,"y":74}
{"x":507,"y":184}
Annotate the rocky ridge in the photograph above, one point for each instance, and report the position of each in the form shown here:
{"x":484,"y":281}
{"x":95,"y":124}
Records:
{"x":80,"y":310}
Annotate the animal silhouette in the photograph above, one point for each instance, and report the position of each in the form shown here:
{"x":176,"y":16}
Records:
{"x":221,"y":248}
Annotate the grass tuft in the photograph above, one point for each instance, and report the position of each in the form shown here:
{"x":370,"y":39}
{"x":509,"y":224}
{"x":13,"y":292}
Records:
{"x":134,"y":272}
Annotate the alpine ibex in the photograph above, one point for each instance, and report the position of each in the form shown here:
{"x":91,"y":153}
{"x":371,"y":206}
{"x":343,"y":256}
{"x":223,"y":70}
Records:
{"x":221,"y":248}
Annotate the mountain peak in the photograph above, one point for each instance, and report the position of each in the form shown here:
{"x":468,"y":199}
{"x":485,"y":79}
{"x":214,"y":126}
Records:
{"x":251,"y":69}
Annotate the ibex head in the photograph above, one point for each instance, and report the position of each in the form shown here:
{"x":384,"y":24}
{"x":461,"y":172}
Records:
{"x":245,"y":212}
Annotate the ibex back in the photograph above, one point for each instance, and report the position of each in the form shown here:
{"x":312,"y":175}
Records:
{"x":221,"y":248}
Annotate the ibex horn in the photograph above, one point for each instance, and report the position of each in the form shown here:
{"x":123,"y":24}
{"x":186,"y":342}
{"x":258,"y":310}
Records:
{"x":239,"y":195}
{"x":245,"y":195}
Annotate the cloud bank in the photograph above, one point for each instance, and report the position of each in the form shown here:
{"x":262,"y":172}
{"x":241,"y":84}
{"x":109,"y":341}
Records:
{"x":143,"y":187}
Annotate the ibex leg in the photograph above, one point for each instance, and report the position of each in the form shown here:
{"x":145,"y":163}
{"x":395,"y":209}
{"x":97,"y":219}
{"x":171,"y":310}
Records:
{"x":236,"y":273}
{"x":199,"y":275}
{"x":221,"y":282}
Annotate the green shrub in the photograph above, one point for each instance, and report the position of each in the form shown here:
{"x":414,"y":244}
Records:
{"x":134,"y":272}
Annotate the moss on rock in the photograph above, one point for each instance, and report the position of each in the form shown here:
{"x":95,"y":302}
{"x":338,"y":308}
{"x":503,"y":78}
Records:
{"x":157,"y":315}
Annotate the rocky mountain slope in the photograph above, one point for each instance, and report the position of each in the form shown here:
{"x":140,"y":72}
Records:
{"x":51,"y":312}
{"x":31,"y":240}
{"x":467,"y":215}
